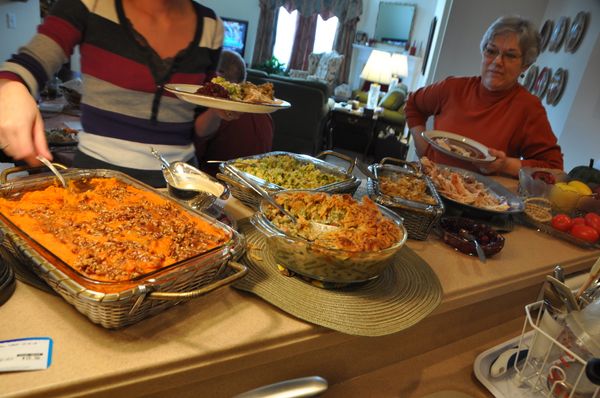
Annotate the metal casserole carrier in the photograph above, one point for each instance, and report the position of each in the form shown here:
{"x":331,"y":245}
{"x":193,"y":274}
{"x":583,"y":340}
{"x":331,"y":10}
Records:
{"x":418,"y":217}
{"x":117,"y":304}
{"x":242,"y":192}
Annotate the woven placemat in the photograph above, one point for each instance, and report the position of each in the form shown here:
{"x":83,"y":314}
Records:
{"x":401,"y":296}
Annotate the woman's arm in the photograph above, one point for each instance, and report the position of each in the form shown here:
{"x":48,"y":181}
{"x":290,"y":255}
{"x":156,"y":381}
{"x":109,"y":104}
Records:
{"x":23,"y":76}
{"x":420,"y":143}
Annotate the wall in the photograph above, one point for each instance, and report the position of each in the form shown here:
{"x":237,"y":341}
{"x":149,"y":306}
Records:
{"x":420,"y":29}
{"x":247,"y":10}
{"x":576,"y":118}
{"x":27,"y":17}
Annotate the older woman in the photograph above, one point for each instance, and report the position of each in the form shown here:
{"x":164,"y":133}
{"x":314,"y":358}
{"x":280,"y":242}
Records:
{"x":493,"y":108}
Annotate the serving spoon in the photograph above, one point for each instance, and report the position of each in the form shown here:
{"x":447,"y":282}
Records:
{"x":480,"y":253}
{"x":48,"y":164}
{"x":316,"y":227}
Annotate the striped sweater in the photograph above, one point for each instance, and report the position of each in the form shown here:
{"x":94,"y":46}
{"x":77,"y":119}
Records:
{"x":124,"y":109}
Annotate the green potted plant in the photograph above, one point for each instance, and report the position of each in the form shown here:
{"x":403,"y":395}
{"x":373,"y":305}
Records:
{"x":273,"y":66}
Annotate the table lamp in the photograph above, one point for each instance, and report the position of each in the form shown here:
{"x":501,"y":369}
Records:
{"x":378,"y":70}
{"x":399,"y":69}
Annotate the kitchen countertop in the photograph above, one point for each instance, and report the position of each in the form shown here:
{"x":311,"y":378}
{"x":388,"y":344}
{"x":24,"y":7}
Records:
{"x":229,"y":341}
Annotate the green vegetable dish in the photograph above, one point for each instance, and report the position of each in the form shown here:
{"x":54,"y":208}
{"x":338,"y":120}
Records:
{"x":287,"y":172}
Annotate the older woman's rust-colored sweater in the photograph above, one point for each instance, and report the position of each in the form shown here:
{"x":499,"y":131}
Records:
{"x":512,"y":121}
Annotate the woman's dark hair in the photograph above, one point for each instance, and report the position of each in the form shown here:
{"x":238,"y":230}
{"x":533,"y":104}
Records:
{"x":527,"y":32}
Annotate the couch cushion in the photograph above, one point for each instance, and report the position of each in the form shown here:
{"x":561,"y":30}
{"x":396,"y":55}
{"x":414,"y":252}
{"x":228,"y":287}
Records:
{"x":393,"y":100}
{"x":313,"y":62}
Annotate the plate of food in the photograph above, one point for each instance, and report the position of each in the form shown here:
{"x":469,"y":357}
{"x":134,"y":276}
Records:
{"x":458,"y":146}
{"x":238,"y":97}
{"x":471,"y":189}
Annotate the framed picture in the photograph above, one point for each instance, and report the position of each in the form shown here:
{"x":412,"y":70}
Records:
{"x":361,"y":37}
{"x":428,"y":46}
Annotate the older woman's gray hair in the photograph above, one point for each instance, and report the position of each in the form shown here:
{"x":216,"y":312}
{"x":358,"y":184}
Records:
{"x":232,"y":66}
{"x":527,"y":33}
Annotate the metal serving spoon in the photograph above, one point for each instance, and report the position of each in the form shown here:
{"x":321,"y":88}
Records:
{"x":52,"y":169}
{"x":480,"y":253}
{"x":317,"y":227}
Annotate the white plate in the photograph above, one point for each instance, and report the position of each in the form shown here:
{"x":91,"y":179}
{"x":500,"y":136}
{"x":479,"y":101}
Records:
{"x":473,"y":150}
{"x":187,"y":92}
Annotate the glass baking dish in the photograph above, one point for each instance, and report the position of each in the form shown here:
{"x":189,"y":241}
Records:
{"x":318,"y":261}
{"x":119,"y":303}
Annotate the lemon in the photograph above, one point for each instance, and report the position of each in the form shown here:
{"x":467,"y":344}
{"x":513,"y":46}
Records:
{"x":564,"y":197}
{"x":581,"y":187}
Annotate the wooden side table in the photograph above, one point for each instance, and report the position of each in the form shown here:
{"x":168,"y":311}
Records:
{"x":351,"y":130}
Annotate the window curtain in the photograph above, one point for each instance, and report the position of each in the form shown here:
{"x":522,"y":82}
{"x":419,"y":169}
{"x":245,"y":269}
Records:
{"x":344,"y":38}
{"x":304,"y":41}
{"x":265,"y":33}
{"x":347,"y":12}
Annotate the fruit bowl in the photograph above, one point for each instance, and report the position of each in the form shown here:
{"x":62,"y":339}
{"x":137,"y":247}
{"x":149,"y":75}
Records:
{"x":490,"y":240}
{"x":538,"y":181}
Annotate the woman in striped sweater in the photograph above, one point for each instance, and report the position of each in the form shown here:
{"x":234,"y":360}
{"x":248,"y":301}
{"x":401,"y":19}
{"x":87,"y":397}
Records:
{"x":129,"y":50}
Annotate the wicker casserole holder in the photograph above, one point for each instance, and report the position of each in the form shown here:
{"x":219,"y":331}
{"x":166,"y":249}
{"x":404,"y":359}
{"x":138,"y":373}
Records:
{"x":246,"y":195}
{"x":114,"y":305}
{"x":419,"y":218}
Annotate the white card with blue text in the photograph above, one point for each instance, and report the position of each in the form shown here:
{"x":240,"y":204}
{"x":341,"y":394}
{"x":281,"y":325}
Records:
{"x":33,"y":353}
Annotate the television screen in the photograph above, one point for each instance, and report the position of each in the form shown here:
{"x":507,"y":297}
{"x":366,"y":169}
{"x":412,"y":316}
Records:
{"x":235,"y":35}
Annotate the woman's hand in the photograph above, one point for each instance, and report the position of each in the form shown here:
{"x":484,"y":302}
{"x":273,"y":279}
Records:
{"x":209,"y":121}
{"x":502,"y":165}
{"x":228,"y":115}
{"x":22,"y":133}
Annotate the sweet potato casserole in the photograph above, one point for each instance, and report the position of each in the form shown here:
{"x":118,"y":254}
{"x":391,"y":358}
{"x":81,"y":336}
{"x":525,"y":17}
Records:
{"x":359,"y":226}
{"x":287,"y":172}
{"x":110,"y":231}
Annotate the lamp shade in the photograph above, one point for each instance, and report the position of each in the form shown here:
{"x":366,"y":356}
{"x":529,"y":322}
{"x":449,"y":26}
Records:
{"x":378,"y":68}
{"x":399,"y":65}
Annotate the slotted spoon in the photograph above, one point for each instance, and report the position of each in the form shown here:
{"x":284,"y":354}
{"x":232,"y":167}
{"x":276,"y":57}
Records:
{"x":48,"y":164}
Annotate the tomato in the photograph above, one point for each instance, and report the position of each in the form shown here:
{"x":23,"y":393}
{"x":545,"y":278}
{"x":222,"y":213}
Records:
{"x":585,"y":233}
{"x":562,"y":222}
{"x":578,"y":221}
{"x":593,"y":220}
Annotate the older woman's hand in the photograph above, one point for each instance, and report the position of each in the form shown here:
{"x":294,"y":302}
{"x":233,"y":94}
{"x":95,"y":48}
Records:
{"x":493,"y":167}
{"x":502,"y":165}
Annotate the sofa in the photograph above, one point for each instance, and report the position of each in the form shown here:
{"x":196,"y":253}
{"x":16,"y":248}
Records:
{"x":323,"y":67}
{"x":391,"y":139}
{"x":299,"y":129}
{"x":391,"y":103}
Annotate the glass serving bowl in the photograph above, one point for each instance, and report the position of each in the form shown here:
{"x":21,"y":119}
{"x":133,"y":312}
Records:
{"x":316,"y":261}
{"x":490,"y":240}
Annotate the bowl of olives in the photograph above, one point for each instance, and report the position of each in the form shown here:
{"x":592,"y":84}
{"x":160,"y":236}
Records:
{"x":456,"y":230}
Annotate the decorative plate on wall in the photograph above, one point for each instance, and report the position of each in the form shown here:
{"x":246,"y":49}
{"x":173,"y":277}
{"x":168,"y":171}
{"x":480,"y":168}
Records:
{"x":530,"y":77}
{"x":558,"y":34}
{"x":556,"y":86}
{"x":575,"y":34}
{"x":545,"y":34}
{"x":541,"y":83}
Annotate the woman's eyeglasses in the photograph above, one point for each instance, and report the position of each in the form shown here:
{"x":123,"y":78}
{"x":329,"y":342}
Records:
{"x":510,"y":56}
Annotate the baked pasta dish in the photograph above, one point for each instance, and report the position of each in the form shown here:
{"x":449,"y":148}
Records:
{"x":358,"y":226}
{"x":111,"y":231}
{"x":287,"y":172}
{"x":406,"y":186}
